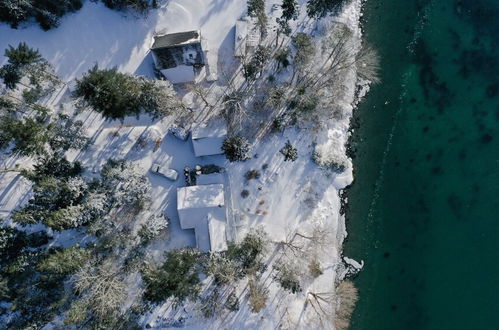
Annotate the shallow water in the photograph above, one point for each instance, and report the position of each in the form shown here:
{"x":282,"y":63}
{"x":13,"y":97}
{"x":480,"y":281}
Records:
{"x":424,"y":209}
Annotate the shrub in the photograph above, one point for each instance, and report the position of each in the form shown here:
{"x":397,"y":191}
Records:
{"x":236,"y":148}
{"x":282,"y":57}
{"x":232,"y":302}
{"x":258,"y":295}
{"x":289,"y":152}
{"x":221,"y":268}
{"x":328,"y":159}
{"x":252,"y":174}
{"x":279,"y":123}
{"x":245,"y":193}
{"x":247,"y":255}
{"x":314,"y":267}
{"x":287,"y":277}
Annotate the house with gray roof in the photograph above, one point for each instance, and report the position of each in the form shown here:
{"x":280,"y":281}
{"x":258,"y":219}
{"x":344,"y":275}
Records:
{"x":178,"y":56}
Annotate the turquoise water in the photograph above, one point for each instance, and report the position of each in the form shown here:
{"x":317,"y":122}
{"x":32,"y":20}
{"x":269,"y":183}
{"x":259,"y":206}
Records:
{"x":424,"y":209}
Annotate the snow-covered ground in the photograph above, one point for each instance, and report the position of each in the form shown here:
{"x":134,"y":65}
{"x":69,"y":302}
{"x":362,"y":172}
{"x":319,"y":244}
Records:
{"x":96,"y":34}
{"x":288,"y":197}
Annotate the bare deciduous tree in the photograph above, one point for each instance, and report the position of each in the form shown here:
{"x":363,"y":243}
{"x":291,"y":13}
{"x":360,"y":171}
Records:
{"x":347,"y":296}
{"x":322,"y":303}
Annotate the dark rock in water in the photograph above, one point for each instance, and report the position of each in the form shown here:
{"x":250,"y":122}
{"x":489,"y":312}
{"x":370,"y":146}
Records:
{"x":413,"y":100}
{"x":386,"y":255}
{"x":486,"y":138}
{"x":393,"y":308}
{"x":493,"y":90}
{"x":462,"y":154}
{"x":425,"y":129}
{"x":455,"y":204}
{"x":437,"y":170}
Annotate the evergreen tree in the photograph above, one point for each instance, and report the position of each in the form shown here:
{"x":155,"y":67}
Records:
{"x":12,"y":242}
{"x":255,"y":7}
{"x":252,"y":69}
{"x":289,"y":9}
{"x":68,"y":134}
{"x":140,"y":6}
{"x":125,"y":184}
{"x":15,"y":12}
{"x":178,"y":277}
{"x":47,"y":19}
{"x":115,"y":95}
{"x":289,"y":152}
{"x":29,"y":136}
{"x":59,"y":199}
{"x":46,"y":12}
{"x":11,"y":75}
{"x":22,"y":55}
{"x":236,"y":148}
{"x":305,"y":49}
{"x":53,"y":165}
{"x":65,"y":261}
{"x":322,"y":8}
{"x":289,"y":12}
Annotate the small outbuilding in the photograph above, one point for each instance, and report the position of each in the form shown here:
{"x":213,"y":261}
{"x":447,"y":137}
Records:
{"x":178,"y":56}
{"x":202,"y":208}
{"x":207,"y":139}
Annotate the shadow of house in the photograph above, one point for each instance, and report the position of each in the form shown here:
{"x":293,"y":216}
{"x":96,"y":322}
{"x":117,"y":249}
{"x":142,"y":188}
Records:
{"x":178,"y":56}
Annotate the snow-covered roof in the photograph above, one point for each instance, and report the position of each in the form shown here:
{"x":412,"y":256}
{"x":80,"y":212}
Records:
{"x":202,"y":196}
{"x":216,"y":229}
{"x":208,"y":139}
{"x":214,"y":129}
{"x":175,"y":39}
{"x":202,"y":208}
{"x":212,"y":178}
{"x":208,"y":146}
{"x":179,"y":74}
{"x":202,"y":234}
